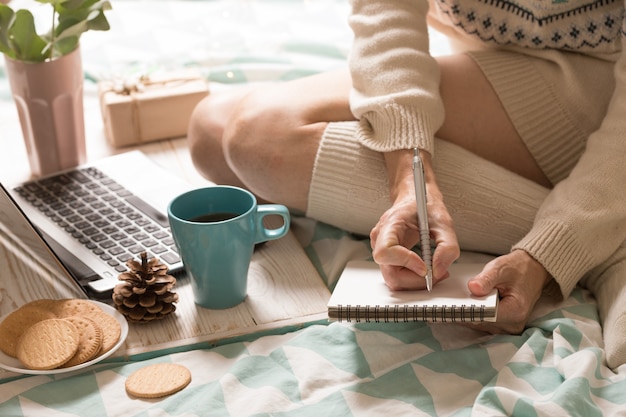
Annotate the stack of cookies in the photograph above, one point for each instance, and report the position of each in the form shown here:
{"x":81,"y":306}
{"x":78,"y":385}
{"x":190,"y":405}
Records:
{"x":49,"y":334}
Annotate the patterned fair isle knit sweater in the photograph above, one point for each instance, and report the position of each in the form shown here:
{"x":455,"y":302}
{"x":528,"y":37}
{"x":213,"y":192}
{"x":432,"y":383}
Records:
{"x":396,"y":99}
{"x":592,"y":26}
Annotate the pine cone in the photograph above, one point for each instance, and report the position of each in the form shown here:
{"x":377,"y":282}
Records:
{"x":145,"y":295}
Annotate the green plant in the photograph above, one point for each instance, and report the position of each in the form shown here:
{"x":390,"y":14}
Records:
{"x":70,"y":19}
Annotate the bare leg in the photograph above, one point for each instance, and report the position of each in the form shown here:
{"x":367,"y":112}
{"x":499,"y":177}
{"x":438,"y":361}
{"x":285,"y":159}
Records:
{"x":476,"y":120}
{"x":205,"y":134}
{"x":266,"y":138}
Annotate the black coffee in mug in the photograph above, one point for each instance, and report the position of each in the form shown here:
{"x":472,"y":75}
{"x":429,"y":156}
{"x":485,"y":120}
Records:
{"x":214,"y":217}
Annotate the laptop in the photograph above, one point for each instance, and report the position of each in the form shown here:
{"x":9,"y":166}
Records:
{"x":91,"y":219}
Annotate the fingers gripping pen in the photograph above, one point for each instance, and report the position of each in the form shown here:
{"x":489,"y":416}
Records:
{"x":422,"y":216}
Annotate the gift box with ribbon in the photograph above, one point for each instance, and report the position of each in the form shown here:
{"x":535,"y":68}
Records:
{"x":149,"y":108}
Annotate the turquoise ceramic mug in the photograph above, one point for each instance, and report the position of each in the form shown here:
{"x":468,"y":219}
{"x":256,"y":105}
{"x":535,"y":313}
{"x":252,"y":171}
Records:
{"x":215,"y":230}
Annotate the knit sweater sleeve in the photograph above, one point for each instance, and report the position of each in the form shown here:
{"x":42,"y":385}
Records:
{"x":583,"y":220}
{"x":395,"y":81}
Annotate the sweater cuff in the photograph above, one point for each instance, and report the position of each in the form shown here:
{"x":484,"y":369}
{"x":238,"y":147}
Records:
{"x":559,"y":251}
{"x":396,"y":127}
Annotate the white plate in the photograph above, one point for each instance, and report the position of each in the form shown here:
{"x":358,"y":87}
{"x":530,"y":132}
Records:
{"x":13,"y":364}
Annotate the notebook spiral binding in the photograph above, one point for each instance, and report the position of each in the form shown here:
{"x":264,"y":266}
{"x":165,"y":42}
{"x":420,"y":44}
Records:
{"x":406,"y":313}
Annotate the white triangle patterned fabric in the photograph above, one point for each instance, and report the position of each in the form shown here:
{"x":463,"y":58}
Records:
{"x":554,"y":368}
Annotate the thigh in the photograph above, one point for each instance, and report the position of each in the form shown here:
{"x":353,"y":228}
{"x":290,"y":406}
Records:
{"x":477,"y":121}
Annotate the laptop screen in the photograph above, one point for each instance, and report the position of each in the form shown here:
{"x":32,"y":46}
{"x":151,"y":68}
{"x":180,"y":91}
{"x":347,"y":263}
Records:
{"x":21,"y":233}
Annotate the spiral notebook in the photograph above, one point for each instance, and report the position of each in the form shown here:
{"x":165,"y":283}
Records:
{"x":361,"y":295}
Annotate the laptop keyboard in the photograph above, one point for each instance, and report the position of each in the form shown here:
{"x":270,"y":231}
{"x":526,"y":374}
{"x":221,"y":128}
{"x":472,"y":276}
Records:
{"x":103,"y":216}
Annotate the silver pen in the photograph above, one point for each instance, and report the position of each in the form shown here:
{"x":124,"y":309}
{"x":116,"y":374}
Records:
{"x":422,"y":216}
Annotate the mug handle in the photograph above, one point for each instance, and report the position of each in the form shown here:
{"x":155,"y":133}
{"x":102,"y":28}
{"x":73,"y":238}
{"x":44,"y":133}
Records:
{"x":264,"y":234}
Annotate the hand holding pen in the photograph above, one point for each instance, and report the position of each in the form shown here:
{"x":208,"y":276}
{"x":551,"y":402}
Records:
{"x":398,"y":229}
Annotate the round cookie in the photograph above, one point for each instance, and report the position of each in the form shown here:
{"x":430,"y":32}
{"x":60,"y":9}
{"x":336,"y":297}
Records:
{"x":89,"y":340}
{"x":158,"y":380}
{"x":48,"y":344}
{"x":43,"y":303}
{"x":75,"y":307}
{"x":111,"y":329}
{"x":17,"y":322}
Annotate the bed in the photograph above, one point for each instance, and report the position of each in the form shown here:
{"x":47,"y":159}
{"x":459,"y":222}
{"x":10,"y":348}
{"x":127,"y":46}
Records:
{"x":555,"y":367}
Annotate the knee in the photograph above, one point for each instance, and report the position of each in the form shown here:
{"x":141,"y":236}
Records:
{"x":608,"y":285}
{"x":230,"y":132}
{"x":204,"y":136}
{"x":247,"y":137}
{"x":221,"y":127}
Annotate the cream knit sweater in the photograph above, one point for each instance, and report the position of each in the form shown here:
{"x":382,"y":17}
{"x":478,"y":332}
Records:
{"x":395,"y":97}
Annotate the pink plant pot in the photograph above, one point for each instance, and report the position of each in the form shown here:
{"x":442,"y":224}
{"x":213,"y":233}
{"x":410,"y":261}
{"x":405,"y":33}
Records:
{"x":49,"y":100}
